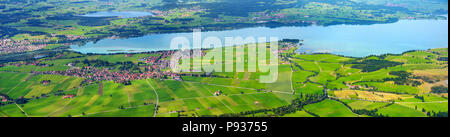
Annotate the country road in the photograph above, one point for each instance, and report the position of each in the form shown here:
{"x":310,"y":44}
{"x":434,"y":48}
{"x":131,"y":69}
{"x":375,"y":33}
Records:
{"x":157,"y":98}
{"x":22,"y":110}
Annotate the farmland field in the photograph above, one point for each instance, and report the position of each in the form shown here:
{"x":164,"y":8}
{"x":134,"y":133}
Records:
{"x":251,"y":58}
{"x":330,"y":108}
{"x":400,"y":111}
{"x":349,"y":90}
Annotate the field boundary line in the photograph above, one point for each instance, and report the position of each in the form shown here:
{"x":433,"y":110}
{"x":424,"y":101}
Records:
{"x":430,"y":102}
{"x":214,"y":96}
{"x":48,"y":115}
{"x":360,"y":99}
{"x":26,"y":79}
{"x":220,"y":100}
{"x":157,"y":98}
{"x":292,"y":84}
{"x":22,"y":110}
{"x":106,"y":111}
{"x":14,"y":87}
{"x":128,"y":97}
{"x":275,"y":91}
{"x":4,"y":114}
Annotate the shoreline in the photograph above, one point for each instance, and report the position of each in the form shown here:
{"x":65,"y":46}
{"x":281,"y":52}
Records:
{"x":67,"y":49}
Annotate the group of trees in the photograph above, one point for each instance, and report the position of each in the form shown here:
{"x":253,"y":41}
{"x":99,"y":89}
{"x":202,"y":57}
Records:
{"x":127,"y":65}
{"x":439,"y":89}
{"x":443,"y":59}
{"x":371,"y":65}
{"x":84,"y":21}
{"x":434,"y":114}
{"x":404,"y":78}
{"x":6,"y":32}
{"x":96,"y":63}
{"x":372,"y":112}
{"x":30,"y":56}
{"x":296,"y":105}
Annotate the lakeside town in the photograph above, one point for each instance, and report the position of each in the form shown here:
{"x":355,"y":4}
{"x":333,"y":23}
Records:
{"x":9,"y":45}
{"x":156,"y":65}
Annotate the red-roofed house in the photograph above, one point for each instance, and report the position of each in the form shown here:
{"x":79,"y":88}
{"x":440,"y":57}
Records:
{"x":68,"y":96}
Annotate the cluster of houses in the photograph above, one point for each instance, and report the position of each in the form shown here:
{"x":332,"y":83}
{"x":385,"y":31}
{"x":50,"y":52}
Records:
{"x":94,"y":74}
{"x":166,"y":13}
{"x":45,"y":82}
{"x":355,"y":87}
{"x":3,"y":99}
{"x":74,"y":37}
{"x":68,"y":96}
{"x":218,"y":93}
{"x":14,"y":48}
{"x":10,"y":42}
{"x":154,"y":70}
{"x":263,"y":17}
{"x":157,"y":62}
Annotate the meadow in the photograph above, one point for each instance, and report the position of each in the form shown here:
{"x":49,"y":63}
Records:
{"x":330,"y":108}
{"x":327,"y":86}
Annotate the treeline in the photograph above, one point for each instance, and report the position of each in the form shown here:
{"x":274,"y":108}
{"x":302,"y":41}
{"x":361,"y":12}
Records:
{"x":372,"y":113}
{"x":9,"y":32}
{"x":240,"y":8}
{"x":296,"y":105}
{"x":127,"y":65}
{"x":351,"y":21}
{"x":290,"y":40}
{"x":439,"y":89}
{"x":434,"y":114}
{"x":84,"y":21}
{"x":371,"y":65}
{"x":404,"y":78}
{"x":30,"y":56}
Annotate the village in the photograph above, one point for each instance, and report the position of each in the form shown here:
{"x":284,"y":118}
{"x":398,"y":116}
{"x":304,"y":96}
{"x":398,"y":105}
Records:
{"x":154,"y":67}
{"x":10,"y":46}
{"x":16,"y":46}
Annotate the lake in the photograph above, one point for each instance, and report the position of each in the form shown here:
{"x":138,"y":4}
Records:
{"x":121,"y":14}
{"x":348,"y":40}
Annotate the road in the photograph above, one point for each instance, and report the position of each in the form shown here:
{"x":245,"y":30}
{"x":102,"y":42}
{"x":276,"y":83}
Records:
{"x":292,"y":84}
{"x":22,"y":110}
{"x":157,"y":98}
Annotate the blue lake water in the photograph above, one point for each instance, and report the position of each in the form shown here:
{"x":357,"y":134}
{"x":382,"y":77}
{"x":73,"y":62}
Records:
{"x":121,"y":14}
{"x":348,"y":40}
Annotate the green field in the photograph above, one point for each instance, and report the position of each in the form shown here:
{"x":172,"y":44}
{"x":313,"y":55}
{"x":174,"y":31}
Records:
{"x":396,"y":110}
{"x":304,"y":78}
{"x":330,"y":108}
{"x":54,"y":20}
{"x":358,"y":105}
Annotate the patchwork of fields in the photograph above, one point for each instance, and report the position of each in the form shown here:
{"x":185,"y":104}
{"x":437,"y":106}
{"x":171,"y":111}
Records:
{"x":318,"y":85}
